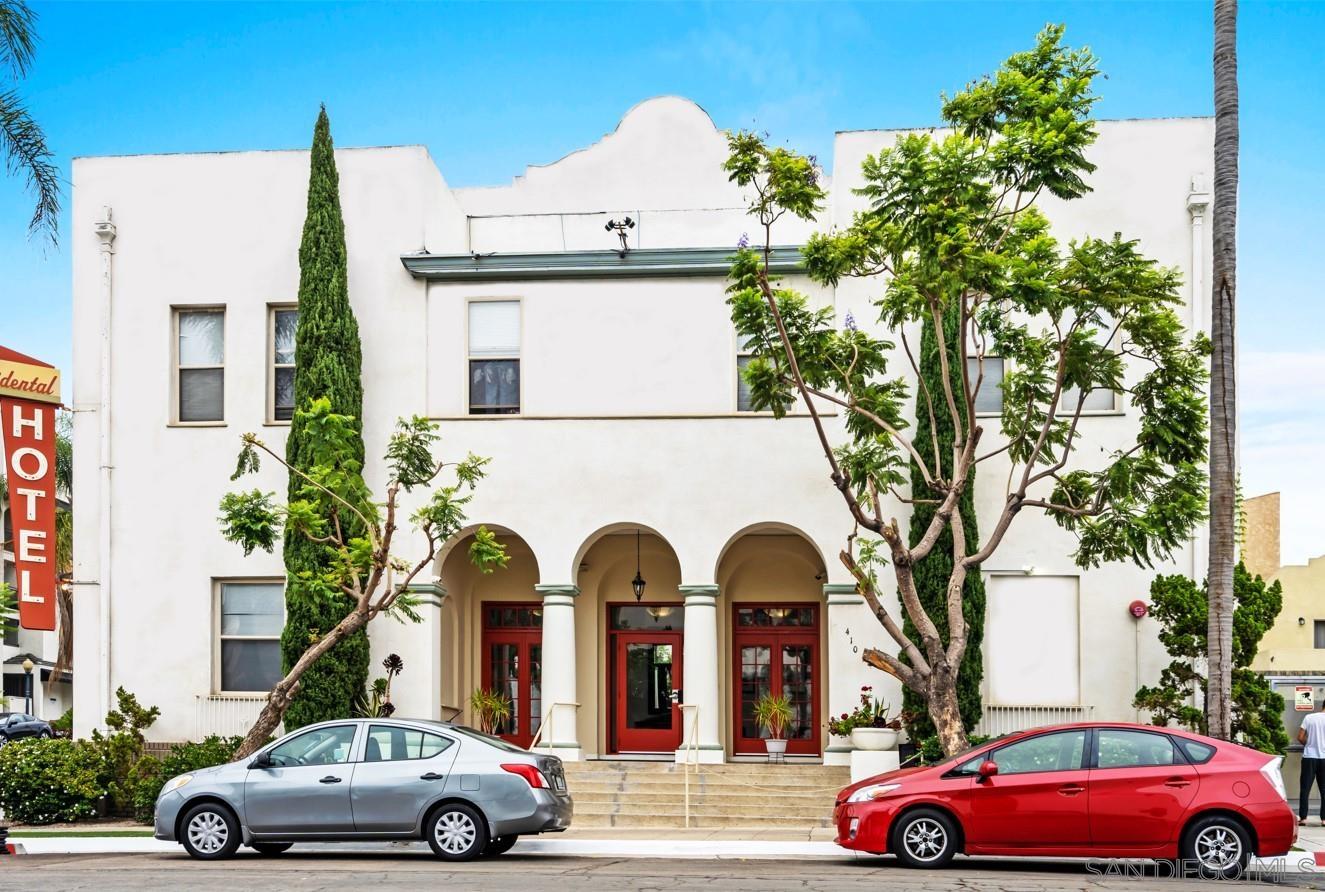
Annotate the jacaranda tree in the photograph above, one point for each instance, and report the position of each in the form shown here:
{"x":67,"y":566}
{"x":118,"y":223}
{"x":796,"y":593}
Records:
{"x":954,"y":227}
{"x":330,"y":500}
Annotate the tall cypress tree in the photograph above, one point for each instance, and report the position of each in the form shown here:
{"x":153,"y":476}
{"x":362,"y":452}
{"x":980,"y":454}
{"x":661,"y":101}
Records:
{"x":328,"y":361}
{"x":932,"y":573}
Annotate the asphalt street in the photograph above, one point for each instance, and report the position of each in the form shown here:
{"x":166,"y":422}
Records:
{"x":324,"y":870}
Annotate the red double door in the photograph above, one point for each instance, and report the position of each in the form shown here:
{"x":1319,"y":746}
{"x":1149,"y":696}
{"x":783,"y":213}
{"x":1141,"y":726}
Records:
{"x":644,"y":652}
{"x":775,"y":650}
{"x":513,"y":665}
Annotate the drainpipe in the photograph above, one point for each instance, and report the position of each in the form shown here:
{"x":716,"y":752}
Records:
{"x":105,"y":231}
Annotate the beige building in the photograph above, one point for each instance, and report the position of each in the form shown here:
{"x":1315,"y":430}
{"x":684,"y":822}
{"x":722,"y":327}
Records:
{"x":1296,"y":643}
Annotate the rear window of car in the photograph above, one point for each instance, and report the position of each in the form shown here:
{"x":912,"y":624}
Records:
{"x":489,"y":739}
{"x":1196,"y":752}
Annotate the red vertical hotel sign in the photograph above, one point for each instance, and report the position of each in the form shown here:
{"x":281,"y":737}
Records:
{"x":29,"y":395}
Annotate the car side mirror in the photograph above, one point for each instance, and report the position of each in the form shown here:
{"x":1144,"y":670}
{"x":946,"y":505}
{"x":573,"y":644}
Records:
{"x":261,"y":760}
{"x":988,"y":768}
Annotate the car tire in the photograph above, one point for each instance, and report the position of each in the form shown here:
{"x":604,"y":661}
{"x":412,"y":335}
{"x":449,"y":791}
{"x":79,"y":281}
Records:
{"x":500,"y":845}
{"x":209,"y":832}
{"x":1218,"y":846}
{"x":924,"y":838}
{"x":456,"y":832}
{"x":45,"y":735}
{"x":271,"y":848}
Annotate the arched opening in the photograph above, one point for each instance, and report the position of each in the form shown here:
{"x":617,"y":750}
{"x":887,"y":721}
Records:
{"x":634,"y":647}
{"x":774,"y":636}
{"x":491,"y":631}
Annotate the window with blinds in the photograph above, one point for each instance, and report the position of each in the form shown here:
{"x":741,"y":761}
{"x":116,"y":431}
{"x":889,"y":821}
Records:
{"x":283,"y":322}
{"x":494,"y":357}
{"x":250,"y":617}
{"x":199,"y":366}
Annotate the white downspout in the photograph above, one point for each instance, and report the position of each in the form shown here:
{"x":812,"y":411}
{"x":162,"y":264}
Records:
{"x":105,"y":231}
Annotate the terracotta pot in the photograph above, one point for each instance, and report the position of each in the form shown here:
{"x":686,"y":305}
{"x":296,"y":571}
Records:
{"x":873,"y":738}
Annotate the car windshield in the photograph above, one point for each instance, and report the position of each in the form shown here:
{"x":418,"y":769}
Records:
{"x":964,"y":754}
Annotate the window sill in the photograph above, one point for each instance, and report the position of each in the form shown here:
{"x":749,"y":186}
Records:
{"x":1103,"y":413}
{"x":270,"y":423}
{"x":197,"y":424}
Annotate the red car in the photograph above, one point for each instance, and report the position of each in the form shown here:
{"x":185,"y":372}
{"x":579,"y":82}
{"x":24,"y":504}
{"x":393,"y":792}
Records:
{"x":1094,"y":790}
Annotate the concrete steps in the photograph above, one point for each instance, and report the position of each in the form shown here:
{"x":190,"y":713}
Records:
{"x":735,"y":795}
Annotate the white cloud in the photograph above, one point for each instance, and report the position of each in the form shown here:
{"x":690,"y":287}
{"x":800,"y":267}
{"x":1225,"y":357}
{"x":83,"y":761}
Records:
{"x":1281,"y":402}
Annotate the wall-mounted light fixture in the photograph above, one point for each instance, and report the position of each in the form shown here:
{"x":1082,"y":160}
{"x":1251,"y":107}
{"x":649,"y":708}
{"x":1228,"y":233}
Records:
{"x":621,"y":229}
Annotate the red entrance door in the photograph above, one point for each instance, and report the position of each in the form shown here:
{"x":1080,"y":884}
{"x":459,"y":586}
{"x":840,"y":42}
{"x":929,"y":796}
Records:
{"x":775,"y":650}
{"x":512,"y":664}
{"x":645,"y":647}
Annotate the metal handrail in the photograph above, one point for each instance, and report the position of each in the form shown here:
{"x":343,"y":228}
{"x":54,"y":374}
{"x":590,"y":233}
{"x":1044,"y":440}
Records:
{"x":547,"y":720}
{"x":691,"y":753}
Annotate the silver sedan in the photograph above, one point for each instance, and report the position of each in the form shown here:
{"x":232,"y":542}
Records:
{"x":468,"y":794}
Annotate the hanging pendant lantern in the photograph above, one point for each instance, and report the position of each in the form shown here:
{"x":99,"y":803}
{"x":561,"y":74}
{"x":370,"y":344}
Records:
{"x":638,"y":582}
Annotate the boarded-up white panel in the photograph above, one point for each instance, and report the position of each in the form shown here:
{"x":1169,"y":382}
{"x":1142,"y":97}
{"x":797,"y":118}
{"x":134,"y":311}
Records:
{"x":1032,"y":641}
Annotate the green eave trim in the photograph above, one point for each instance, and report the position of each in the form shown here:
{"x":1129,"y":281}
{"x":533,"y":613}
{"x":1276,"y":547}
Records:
{"x":638,"y":263}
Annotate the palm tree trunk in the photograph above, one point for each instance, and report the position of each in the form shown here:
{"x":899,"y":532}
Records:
{"x":1223,"y":392}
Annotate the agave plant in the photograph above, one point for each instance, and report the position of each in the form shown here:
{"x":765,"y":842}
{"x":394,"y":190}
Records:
{"x":491,"y":708}
{"x":773,"y":714}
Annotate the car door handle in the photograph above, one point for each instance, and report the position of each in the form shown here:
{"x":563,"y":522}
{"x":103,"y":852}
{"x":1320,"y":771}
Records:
{"x":330,"y":779}
{"x":1071,"y":789}
{"x":431,"y":775}
{"x":1177,"y":782}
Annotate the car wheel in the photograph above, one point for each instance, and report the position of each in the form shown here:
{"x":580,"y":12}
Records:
{"x":44,"y":735}
{"x":271,"y":848}
{"x":500,"y":845}
{"x":456,"y":832}
{"x":925,"y":837}
{"x":1218,"y":846}
{"x":209,"y":832}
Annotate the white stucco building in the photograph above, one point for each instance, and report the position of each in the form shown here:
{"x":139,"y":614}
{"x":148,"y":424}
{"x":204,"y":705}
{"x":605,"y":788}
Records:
{"x":604,"y":388}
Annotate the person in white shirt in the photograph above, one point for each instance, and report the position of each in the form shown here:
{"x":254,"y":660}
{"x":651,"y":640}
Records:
{"x":1312,"y":737}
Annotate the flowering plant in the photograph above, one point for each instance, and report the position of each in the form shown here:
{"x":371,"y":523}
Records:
{"x":871,"y":713}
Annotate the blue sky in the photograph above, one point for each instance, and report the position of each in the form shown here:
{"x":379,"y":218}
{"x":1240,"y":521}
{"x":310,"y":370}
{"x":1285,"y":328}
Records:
{"x":490,"y":88}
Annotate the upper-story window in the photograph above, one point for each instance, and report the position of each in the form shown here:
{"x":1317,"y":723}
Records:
{"x":989,"y":398}
{"x":199,"y":365}
{"x":280,"y":386}
{"x":743,"y":357}
{"x":494,"y":357}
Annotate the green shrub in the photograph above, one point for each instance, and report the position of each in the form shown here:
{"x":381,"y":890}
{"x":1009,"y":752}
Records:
{"x":125,"y":763}
{"x":64,"y":725}
{"x":931,"y":751}
{"x":44,"y":781}
{"x":182,"y":759}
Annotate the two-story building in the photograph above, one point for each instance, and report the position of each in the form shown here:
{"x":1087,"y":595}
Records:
{"x":604,"y":386}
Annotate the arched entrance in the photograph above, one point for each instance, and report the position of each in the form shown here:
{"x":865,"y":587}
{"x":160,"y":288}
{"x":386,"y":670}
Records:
{"x":492,"y":636}
{"x":642,"y":639}
{"x":772,"y":577}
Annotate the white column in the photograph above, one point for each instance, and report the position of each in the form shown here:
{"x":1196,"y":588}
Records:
{"x":843,"y":608}
{"x":560,"y":700}
{"x":701,"y":710}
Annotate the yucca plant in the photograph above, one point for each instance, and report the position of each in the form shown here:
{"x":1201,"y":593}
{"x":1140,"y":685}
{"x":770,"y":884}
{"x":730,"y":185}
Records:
{"x":491,"y":708}
{"x":773,"y":714}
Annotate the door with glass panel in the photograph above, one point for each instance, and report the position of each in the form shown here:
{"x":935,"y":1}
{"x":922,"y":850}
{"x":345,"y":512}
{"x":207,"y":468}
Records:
{"x":645,"y":676}
{"x":775,"y":650}
{"x":512,"y":665}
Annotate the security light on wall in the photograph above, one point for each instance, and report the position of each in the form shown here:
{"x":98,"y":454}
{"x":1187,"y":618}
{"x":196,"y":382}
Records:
{"x":621,"y":229}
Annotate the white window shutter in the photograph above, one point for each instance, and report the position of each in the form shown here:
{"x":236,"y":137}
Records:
{"x":494,"y":328}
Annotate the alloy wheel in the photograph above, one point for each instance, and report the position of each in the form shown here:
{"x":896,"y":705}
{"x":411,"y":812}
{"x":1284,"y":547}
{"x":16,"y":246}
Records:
{"x":208,"y":832}
{"x":1218,"y":848}
{"x":925,"y":839}
{"x":455,"y":832}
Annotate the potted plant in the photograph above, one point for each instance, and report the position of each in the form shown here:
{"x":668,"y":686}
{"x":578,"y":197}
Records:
{"x":871,"y":726}
{"x":773,"y":714}
{"x":491,"y":709}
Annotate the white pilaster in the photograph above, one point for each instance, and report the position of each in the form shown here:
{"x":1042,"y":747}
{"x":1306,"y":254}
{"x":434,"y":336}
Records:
{"x":701,"y":710}
{"x":843,"y":609}
{"x":560,"y":698}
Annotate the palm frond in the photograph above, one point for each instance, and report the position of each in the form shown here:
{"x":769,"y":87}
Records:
{"x":24,"y":146}
{"x":18,"y":36}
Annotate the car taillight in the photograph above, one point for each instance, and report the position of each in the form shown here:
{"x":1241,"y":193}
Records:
{"x":529,"y":773}
{"x":1270,"y":770}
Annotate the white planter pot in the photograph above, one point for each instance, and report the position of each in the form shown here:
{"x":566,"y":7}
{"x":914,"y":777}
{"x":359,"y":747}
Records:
{"x":776,"y":746}
{"x":873,"y":738}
